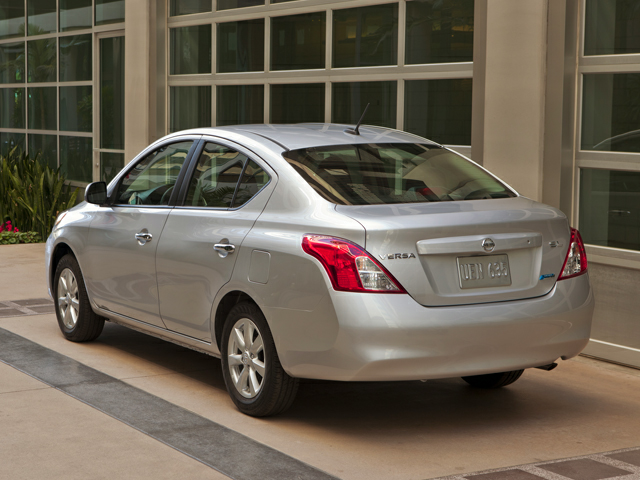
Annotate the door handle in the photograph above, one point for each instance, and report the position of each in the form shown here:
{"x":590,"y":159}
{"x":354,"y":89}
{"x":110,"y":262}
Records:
{"x":224,"y":249}
{"x":143,"y":237}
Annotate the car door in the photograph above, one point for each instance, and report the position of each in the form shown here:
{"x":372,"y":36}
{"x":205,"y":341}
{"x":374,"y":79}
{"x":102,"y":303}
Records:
{"x":123,"y":237}
{"x":227,"y":190}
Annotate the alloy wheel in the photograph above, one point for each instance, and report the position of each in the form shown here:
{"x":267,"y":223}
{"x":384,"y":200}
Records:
{"x":246,"y":358}
{"x":68,"y":298}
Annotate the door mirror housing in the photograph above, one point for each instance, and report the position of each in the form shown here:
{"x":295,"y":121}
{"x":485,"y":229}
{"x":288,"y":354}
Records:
{"x":96,"y":193}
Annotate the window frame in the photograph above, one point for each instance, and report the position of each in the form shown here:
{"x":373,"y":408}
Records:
{"x":600,"y":159}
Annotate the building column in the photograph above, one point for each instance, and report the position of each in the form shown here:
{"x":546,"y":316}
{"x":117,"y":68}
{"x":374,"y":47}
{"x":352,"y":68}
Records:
{"x":510,"y":91}
{"x":144,"y":92}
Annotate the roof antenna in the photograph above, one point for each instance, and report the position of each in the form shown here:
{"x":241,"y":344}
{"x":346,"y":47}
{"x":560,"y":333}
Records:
{"x":356,"y":131}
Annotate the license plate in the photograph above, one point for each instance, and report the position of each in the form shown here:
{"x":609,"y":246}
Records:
{"x":484,"y":271}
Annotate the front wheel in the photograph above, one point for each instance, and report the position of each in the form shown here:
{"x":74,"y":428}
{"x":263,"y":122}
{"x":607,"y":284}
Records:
{"x":255,"y":379}
{"x":493,"y":380}
{"x":77,"y":321}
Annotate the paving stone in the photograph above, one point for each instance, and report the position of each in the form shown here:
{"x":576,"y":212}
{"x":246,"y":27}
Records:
{"x":515,"y":474}
{"x":33,"y":301}
{"x":632,"y":457}
{"x":584,"y":469}
{"x":10,"y":312}
{"x":43,"y":309}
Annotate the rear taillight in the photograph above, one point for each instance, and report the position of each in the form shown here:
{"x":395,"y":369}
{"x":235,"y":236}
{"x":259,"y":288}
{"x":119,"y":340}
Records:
{"x":350,"y":267}
{"x":575,"y":262}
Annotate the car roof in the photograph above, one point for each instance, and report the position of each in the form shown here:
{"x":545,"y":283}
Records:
{"x":307,"y":135}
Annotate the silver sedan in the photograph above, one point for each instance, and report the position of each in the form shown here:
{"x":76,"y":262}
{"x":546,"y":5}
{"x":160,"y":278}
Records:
{"x":326,"y":252}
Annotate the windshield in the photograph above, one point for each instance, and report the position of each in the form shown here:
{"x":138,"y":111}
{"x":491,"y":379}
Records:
{"x":375,"y":174}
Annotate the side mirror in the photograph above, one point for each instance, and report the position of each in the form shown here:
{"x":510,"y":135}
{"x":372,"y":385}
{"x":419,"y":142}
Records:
{"x":96,"y":193}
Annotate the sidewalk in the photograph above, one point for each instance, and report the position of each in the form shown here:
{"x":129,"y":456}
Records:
{"x":404,"y":430}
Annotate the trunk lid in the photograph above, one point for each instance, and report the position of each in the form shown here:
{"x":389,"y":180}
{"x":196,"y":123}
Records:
{"x":467,"y":252}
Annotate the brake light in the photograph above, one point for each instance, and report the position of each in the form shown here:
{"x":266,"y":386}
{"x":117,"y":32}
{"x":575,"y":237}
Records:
{"x":350,"y":267}
{"x":575,"y":262}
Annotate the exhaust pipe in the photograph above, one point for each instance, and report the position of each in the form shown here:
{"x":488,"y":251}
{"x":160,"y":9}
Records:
{"x":549,"y":367}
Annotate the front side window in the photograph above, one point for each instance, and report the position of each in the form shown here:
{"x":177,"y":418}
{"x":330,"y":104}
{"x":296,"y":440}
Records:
{"x":152,"y":180}
{"x":379,"y":174}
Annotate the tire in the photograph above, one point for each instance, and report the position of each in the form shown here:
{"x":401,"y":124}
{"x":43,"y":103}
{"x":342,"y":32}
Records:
{"x":77,"y":321}
{"x":493,"y":380}
{"x":255,"y":379}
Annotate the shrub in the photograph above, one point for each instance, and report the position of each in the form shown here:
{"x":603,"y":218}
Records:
{"x":7,"y":238}
{"x":32,"y":194}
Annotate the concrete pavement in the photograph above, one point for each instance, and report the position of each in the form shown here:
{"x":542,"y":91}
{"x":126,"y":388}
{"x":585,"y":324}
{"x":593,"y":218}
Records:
{"x":405,"y":430}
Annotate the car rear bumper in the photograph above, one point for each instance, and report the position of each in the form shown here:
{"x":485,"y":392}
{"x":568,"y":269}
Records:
{"x":392,"y":337}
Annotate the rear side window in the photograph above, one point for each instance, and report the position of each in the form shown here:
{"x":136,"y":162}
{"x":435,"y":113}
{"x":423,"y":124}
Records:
{"x":216,"y":181}
{"x":253,"y":179}
{"x":377,"y":174}
{"x":216,"y":176}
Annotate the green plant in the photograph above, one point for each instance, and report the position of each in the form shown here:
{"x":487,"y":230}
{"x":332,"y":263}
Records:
{"x":8,"y":238}
{"x":32,"y":194}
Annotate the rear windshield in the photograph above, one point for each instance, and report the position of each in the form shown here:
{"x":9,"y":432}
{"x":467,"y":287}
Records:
{"x":374,"y":174}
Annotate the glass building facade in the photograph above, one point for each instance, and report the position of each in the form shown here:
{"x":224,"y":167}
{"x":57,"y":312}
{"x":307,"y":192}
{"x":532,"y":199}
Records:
{"x":50,"y":52}
{"x":323,"y":62}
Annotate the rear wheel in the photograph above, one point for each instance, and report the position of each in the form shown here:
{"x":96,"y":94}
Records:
{"x":254,"y":377}
{"x":77,"y":321}
{"x":493,"y":380}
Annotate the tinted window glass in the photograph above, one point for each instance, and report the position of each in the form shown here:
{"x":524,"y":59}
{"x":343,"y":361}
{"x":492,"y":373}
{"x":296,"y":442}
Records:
{"x":151,"y":181}
{"x":42,"y":108}
{"x":241,"y":46}
{"x":190,"y":108}
{"x":439,"y":32}
{"x":610,"y":106}
{"x":227,"y":4}
{"x":439,"y":110}
{"x":297,"y":103}
{"x":42,"y":60}
{"x":76,"y":109}
{"x":189,"y":7}
{"x":44,"y":148}
{"x":75,"y":58}
{"x":12,"y":62}
{"x":190,"y":50}
{"x":110,"y":164}
{"x":9,"y":141}
{"x":109,"y":11}
{"x":75,"y":14}
{"x":240,"y":104}
{"x":216,"y":176}
{"x":253,"y":179}
{"x":41,"y":16}
{"x":374,"y":174}
{"x":297,"y":41}
{"x":11,"y":19}
{"x":365,"y":36}
{"x":76,"y":154}
{"x":610,"y":208}
{"x":350,"y":100}
{"x":11,"y":107}
{"x":112,"y":92}
{"x":611,"y":27}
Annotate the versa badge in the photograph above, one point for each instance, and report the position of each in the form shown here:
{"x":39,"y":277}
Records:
{"x":397,"y":256}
